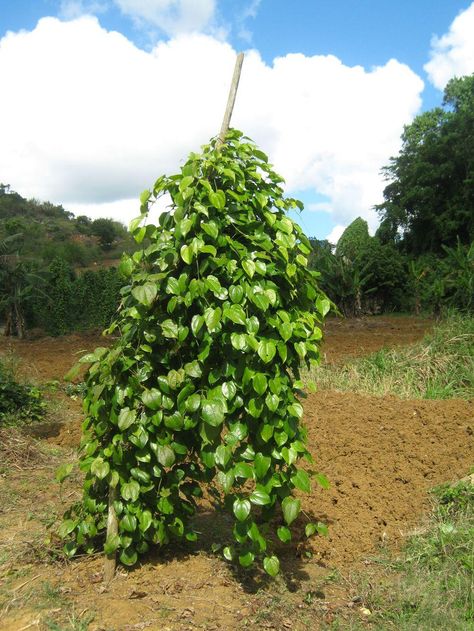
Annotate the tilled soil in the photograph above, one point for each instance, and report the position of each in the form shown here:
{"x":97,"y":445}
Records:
{"x":381,"y":455}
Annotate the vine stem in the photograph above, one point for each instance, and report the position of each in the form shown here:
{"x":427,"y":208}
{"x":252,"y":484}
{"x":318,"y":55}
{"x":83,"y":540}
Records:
{"x":231,"y":99}
{"x":112,"y":529}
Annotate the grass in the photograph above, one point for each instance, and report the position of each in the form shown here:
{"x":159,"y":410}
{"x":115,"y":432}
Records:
{"x":441,"y":366}
{"x":430,"y":587}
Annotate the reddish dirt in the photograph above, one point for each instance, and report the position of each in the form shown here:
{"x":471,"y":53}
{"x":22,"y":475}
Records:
{"x":345,"y":339}
{"x":380,"y":455}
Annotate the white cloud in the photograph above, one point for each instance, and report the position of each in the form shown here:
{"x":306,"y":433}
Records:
{"x":171,"y":16}
{"x":335,"y":234}
{"x":72,"y":9}
{"x":88,"y":118}
{"x":452,"y":55}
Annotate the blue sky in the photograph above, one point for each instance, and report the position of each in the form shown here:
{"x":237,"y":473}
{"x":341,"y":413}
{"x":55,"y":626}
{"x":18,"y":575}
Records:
{"x":342,"y":111}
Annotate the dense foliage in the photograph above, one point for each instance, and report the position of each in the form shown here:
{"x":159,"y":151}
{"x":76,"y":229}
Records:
{"x":202,"y":385}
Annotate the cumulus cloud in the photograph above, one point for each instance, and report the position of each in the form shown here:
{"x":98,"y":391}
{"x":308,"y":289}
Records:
{"x":452,"y":55}
{"x":88,"y":119}
{"x":335,"y":234}
{"x":171,"y":16}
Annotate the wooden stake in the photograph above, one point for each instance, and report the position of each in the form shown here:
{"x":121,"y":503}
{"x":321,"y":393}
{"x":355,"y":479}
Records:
{"x":112,"y":529}
{"x":231,"y":100}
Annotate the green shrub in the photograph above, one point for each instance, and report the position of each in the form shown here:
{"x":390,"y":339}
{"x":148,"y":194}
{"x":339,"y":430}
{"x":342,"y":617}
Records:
{"x":19,"y":402}
{"x":219,"y":313}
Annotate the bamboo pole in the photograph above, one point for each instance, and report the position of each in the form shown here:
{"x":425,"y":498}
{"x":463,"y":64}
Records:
{"x":112,"y":521}
{"x":231,"y":98}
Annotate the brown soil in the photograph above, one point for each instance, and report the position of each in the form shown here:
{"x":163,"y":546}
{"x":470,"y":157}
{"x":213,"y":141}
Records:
{"x":381,"y":456}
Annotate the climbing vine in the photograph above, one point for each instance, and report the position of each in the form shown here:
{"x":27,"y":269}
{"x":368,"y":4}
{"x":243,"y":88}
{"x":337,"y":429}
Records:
{"x":201,"y":387}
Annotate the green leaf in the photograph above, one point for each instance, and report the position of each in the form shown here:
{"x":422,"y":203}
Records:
{"x":186,"y":252}
{"x":213,"y":411}
{"x":323,"y":305}
{"x":129,"y":556}
{"x":310,"y":529}
{"x":259,"y":382}
{"x":193,"y":369}
{"x":152,"y":398}
{"x":213,"y":283}
{"x":111,"y":544}
{"x":243,"y":470}
{"x":260,"y":498}
{"x":284,"y":534}
{"x":236,"y":293}
{"x":260,"y":268}
{"x":322,"y":480}
{"x":249,"y":267}
{"x":165,"y":455}
{"x":272,"y":401}
{"x":246,"y":559}
{"x":196,"y":324}
{"x":217,"y":199}
{"x":130,"y":491}
{"x":241,"y":508}
{"x":253,"y":325}
{"x":255,"y":407}
{"x":169,"y":328}
{"x":65,"y":529}
{"x":63,"y":472}
{"x":126,"y":266}
{"x":322,"y":529}
{"x":266,"y":350}
{"x":128,"y":523}
{"x":211,"y":229}
{"x":271,"y":565}
{"x":261,"y":465}
{"x":301,"y":481}
{"x":296,"y":409}
{"x":228,"y":553}
{"x":126,"y":418}
{"x":229,"y":390}
{"x":145,"y":294}
{"x":144,"y":197}
{"x":146,"y":520}
{"x":212,"y":318}
{"x":223,"y":455}
{"x":286,"y":330}
{"x":238,"y":341}
{"x":100,"y":468}
{"x":291,"y":507}
{"x":193,"y":402}
{"x":236,"y":314}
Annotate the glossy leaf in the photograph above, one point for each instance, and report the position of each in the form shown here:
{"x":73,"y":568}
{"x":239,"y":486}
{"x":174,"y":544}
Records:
{"x":291,"y":507}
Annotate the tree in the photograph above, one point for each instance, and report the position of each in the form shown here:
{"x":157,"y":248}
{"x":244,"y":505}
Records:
{"x":106,"y":231}
{"x":429,"y":201}
{"x":353,"y":240}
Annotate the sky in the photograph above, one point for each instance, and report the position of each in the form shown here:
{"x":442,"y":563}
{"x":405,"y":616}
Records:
{"x":100,"y":97}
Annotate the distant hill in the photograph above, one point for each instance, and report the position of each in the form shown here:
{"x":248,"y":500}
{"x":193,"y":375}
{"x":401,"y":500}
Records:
{"x":45,"y":231}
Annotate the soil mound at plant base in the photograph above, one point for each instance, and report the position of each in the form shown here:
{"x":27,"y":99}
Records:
{"x":381,"y":455}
